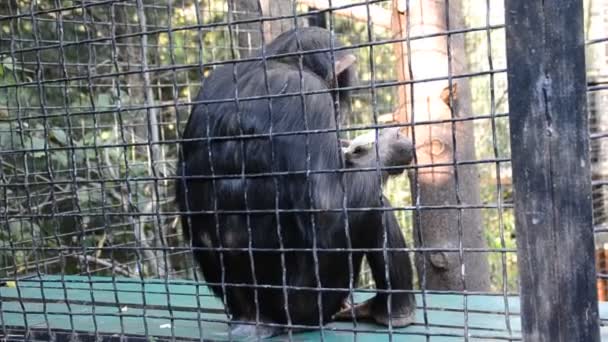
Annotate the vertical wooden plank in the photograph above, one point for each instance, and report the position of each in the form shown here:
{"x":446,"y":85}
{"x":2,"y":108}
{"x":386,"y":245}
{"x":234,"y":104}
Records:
{"x":551,"y":170}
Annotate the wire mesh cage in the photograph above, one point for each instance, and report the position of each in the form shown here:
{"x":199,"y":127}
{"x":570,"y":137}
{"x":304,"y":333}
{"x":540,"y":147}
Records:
{"x":218,"y":170}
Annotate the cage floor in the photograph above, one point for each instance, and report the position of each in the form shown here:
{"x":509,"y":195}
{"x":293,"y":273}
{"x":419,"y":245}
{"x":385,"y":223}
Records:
{"x":158,"y":310}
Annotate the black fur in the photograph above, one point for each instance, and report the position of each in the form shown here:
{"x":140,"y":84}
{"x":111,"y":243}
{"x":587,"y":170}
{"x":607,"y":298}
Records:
{"x":284,"y":192}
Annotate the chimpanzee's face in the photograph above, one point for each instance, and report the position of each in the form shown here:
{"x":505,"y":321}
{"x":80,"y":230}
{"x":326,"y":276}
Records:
{"x":394,"y":149}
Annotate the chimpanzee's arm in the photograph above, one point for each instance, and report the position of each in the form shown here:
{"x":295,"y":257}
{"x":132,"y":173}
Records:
{"x":392,"y":272}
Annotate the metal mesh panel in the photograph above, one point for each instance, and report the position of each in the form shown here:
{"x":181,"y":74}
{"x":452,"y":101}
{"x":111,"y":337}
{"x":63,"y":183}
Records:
{"x":94,"y":98}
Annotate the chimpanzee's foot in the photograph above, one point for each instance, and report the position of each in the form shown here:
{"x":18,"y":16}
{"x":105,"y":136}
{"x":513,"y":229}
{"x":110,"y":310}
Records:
{"x":349,"y":312}
{"x":251,"y":331}
{"x":398,"y":318}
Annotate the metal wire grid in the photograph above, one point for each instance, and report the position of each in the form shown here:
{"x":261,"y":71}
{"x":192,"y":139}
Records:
{"x":86,"y":181}
{"x":597,"y":78}
{"x":80,"y":212}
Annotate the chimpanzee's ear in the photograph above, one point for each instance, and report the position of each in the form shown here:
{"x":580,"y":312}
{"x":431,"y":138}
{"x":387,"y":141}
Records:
{"x":445,"y":94}
{"x":344,"y":63}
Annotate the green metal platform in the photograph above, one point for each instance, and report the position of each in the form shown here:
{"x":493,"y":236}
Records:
{"x":155,"y":310}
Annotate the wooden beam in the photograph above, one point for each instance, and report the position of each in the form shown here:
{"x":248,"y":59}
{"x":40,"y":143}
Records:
{"x":386,"y":118}
{"x":551,"y":170}
{"x":378,"y":15}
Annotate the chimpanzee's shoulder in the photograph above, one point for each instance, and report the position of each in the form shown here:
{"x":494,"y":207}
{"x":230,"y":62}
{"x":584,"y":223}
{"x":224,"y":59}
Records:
{"x":288,"y":72}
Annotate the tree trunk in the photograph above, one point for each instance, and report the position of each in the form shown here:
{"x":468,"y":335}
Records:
{"x":439,"y":146}
{"x":132,"y":53}
{"x":278,"y":8}
{"x":248,"y":35}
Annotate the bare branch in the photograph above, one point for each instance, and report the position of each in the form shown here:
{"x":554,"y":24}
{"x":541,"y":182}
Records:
{"x":103,"y":262}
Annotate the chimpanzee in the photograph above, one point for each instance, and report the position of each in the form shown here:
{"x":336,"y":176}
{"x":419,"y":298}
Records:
{"x":260,"y":172}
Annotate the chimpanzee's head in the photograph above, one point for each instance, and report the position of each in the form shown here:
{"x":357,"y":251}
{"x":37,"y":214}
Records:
{"x":321,"y":63}
{"x":394,"y":150}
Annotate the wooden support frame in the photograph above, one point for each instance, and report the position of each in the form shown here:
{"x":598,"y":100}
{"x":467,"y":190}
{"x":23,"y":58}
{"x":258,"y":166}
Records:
{"x":551,"y":170}
{"x":356,"y":10}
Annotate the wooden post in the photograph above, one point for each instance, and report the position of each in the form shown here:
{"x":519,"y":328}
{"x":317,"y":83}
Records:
{"x":600,"y":266}
{"x":603,"y":268}
{"x":551,"y":170}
